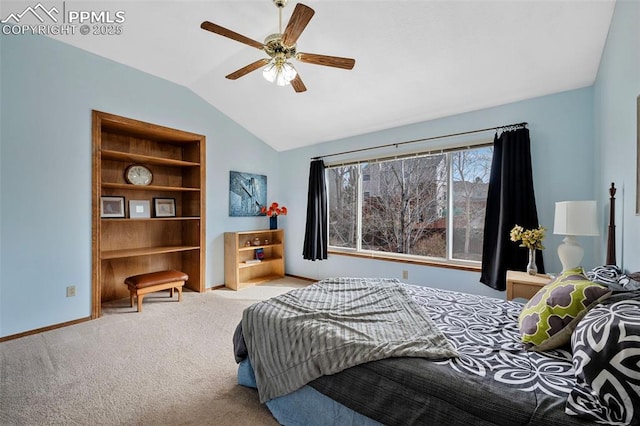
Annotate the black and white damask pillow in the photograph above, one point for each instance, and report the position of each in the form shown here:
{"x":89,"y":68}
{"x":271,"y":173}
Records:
{"x":607,"y":275}
{"x":606,"y":359}
{"x":612,"y":277}
{"x":630,"y":282}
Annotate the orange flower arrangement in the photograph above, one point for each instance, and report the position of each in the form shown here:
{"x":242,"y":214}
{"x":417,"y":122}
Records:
{"x":274,"y":209}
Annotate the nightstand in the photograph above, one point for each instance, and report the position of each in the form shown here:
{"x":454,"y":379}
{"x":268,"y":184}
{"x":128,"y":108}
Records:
{"x":521,"y":284}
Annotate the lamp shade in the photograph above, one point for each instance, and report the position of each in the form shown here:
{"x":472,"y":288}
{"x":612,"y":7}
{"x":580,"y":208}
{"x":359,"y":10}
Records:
{"x":576,"y":218}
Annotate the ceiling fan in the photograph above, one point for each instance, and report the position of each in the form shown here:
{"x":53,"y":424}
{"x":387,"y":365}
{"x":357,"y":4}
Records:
{"x":281,"y":47}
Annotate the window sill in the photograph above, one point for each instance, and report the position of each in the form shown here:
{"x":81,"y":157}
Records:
{"x":434,"y":263}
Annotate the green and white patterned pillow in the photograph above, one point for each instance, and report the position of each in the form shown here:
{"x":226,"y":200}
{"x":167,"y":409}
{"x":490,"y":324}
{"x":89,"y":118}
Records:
{"x":548,"y":319}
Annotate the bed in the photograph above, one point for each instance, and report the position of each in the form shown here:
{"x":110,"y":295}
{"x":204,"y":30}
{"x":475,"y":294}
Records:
{"x":486,"y":368}
{"x":493,"y":380}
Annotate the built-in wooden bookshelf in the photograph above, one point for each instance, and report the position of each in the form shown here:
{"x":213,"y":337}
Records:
{"x":129,"y":246}
{"x":240,"y":268}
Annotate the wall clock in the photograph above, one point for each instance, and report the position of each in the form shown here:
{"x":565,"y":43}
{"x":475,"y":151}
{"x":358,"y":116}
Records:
{"x":137,"y":174}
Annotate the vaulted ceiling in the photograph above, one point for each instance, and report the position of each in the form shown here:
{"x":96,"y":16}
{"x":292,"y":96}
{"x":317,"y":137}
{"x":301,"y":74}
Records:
{"x":415,"y":60}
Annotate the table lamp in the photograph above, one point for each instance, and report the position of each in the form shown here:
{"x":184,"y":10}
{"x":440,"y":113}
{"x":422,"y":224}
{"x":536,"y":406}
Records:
{"x":574,"y":218}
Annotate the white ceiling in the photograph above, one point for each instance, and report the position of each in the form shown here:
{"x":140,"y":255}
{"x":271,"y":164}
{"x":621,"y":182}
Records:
{"x":415,"y":60}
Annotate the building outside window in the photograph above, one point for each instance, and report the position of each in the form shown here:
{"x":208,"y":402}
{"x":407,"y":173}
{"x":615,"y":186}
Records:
{"x":430,"y":206}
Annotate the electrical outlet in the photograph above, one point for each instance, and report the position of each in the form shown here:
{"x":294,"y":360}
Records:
{"x":405,"y":275}
{"x":71,"y":291}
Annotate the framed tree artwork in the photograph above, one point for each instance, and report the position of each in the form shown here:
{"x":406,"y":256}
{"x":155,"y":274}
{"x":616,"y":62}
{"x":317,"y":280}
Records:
{"x":247,"y":193}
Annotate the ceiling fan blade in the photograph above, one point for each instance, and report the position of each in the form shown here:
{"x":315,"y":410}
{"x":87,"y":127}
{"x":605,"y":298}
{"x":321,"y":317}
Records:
{"x":298,"y":85}
{"x":297,"y":23}
{"x":329,"y":61}
{"x":246,"y":70}
{"x":217,"y":29}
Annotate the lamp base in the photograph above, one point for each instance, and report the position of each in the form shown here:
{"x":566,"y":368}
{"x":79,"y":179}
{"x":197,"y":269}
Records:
{"x":570,"y":253}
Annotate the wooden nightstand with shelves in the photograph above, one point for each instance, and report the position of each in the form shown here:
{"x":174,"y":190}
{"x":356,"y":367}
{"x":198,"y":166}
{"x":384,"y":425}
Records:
{"x":522,"y":285}
{"x":240,"y":268}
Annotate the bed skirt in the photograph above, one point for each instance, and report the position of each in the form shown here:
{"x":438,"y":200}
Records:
{"x":306,"y":406}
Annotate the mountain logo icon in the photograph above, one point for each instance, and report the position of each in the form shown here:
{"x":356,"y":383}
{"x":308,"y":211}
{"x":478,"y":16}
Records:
{"x":39,"y":11}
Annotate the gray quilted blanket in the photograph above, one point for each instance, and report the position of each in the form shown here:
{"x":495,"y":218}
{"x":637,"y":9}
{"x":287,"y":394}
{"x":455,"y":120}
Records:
{"x":332,"y":325}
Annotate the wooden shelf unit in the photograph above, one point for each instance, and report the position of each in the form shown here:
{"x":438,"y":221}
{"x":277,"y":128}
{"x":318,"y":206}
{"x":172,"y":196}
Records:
{"x":237,"y":273}
{"x":123,"y":246}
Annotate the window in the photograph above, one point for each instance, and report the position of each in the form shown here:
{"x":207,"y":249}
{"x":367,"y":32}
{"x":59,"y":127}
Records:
{"x":403,"y":207}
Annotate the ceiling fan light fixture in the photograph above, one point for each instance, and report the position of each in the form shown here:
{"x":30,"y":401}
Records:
{"x":288,"y":72}
{"x":280,"y":73}
{"x":269,"y":72}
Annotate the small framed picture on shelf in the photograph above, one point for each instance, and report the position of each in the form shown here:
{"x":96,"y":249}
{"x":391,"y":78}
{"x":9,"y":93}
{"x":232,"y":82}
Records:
{"x":164,"y":207}
{"x":111,"y":206}
{"x":139,"y":209}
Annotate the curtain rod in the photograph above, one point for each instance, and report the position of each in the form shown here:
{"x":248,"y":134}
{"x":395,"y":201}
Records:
{"x":397,"y":144}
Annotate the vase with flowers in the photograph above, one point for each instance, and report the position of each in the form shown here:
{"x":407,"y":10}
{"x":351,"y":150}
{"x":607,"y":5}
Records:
{"x":532,"y":240}
{"x":272,"y":212}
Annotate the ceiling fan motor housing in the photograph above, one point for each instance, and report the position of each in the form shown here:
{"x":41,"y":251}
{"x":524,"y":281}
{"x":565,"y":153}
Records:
{"x":274,"y":48}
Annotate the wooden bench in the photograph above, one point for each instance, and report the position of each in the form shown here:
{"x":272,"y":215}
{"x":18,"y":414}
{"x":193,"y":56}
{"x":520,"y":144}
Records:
{"x":142,"y":284}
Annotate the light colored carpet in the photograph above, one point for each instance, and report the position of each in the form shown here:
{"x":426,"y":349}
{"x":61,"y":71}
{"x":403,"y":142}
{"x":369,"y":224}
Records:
{"x":171,"y":364}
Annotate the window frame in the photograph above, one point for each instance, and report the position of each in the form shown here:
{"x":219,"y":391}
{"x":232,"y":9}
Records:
{"x":358,"y":251}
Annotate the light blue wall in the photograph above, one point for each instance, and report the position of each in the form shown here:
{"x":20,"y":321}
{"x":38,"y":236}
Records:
{"x":561,"y":133}
{"x":48,"y":90}
{"x":616,"y":90}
